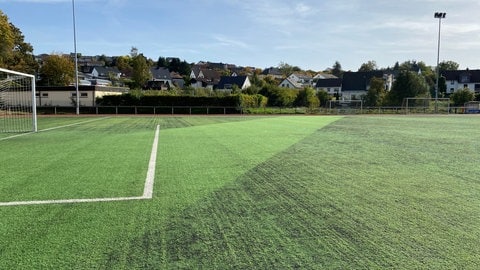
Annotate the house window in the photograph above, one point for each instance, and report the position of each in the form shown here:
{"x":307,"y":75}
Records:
{"x":464,"y":78}
{"x":83,"y":95}
{"x":452,"y":82}
{"x":45,"y":95}
{"x":452,"y":90}
{"x":477,"y":87}
{"x":465,"y":86}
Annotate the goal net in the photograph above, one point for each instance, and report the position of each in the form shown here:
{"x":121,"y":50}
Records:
{"x":17,"y":102}
{"x":426,"y":105}
{"x":346,"y":106}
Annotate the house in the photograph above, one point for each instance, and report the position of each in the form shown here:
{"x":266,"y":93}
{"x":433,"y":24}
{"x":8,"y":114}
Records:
{"x":323,"y":75}
{"x":356,"y":84}
{"x":331,"y":86}
{"x":66,"y":95}
{"x":227,"y":82}
{"x":290,"y":83}
{"x":177,"y":79}
{"x":99,"y":72}
{"x":201,"y":77}
{"x":160,"y":79}
{"x":459,"y":79}
{"x":303,"y":79}
{"x":273,"y":72}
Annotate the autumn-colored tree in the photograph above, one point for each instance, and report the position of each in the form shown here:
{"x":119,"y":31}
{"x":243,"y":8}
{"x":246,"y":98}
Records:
{"x":57,"y":70}
{"x":15,"y":53}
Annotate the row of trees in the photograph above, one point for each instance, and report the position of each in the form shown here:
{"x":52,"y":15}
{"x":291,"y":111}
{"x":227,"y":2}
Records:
{"x":413,"y":79}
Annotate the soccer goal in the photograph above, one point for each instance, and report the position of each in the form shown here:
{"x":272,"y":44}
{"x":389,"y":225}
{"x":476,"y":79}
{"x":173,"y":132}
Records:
{"x":18,"y":112}
{"x":426,"y":105}
{"x":346,"y":106}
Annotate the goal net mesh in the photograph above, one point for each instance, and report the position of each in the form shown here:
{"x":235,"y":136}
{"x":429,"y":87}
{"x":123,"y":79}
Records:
{"x":17,"y":102}
{"x":426,"y":105}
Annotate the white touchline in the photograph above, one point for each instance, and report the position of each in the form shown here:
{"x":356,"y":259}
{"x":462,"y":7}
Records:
{"x":147,"y":190}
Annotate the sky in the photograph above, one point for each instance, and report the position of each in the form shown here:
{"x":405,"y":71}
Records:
{"x":310,"y":34}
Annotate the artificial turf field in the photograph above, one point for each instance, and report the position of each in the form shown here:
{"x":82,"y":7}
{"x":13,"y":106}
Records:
{"x":315,"y":192}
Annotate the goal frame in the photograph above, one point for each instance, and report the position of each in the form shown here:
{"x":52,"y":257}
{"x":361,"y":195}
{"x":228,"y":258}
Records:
{"x":347,"y":106}
{"x":426,"y":108}
{"x":34,"y":127}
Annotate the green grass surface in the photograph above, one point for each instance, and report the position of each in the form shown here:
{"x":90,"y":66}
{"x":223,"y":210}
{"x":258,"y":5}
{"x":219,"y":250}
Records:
{"x":249,"y":193}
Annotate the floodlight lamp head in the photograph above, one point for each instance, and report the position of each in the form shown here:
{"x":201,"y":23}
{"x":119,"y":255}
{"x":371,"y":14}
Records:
{"x":440,"y":15}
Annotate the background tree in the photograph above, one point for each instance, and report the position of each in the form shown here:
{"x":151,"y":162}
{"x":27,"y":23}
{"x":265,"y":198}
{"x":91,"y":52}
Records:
{"x":369,"y":66}
{"x":124,"y":64}
{"x":323,"y":97}
{"x":57,"y":70}
{"x":6,"y":39}
{"x":448,"y":65}
{"x":140,"y":71}
{"x":162,"y":62}
{"x":337,"y":69}
{"x":376,"y":92}
{"x":15,"y":53}
{"x":462,"y":96}
{"x":407,"y":84}
{"x":307,"y":98}
{"x":287,"y":69}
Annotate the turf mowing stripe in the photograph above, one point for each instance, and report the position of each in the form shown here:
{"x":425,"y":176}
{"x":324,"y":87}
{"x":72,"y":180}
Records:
{"x":53,"y":128}
{"x":147,"y":191}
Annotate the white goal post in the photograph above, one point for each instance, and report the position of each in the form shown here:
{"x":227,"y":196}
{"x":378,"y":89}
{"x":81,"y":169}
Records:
{"x":426,"y":105}
{"x":18,"y":110}
{"x":352,"y":106}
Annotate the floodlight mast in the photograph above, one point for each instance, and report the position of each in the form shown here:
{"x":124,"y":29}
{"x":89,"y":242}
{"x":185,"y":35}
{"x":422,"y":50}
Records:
{"x":439,"y":16}
{"x":77,"y":98}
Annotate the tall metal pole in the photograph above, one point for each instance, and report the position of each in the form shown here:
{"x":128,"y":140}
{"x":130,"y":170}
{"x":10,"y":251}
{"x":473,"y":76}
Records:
{"x":440,"y":16}
{"x":77,"y":92}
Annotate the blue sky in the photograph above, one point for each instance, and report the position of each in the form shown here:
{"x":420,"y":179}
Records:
{"x":311,"y":34}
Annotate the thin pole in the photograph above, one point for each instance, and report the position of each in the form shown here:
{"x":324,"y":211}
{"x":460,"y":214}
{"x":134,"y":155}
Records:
{"x":77,"y":92}
{"x":438,"y":15}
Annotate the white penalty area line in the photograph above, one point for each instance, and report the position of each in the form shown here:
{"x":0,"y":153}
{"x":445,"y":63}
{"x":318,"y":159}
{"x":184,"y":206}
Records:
{"x":147,"y":190}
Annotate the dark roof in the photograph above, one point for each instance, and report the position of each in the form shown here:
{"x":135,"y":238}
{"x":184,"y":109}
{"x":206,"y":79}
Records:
{"x":229,"y":81}
{"x":329,"y":83}
{"x":272,"y":71}
{"x":160,"y":73}
{"x":462,"y":76}
{"x":354,"y":81}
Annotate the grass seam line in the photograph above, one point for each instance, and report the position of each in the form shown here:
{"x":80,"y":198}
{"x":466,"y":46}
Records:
{"x":147,"y":190}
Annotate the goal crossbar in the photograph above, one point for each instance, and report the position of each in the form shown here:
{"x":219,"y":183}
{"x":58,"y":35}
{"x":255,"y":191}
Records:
{"x":426,"y":105}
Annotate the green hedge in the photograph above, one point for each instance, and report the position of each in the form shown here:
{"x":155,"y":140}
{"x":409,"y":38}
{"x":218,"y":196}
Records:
{"x":130,"y":100}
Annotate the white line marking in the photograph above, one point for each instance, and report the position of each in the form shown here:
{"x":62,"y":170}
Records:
{"x":147,"y":190}
{"x":53,"y":128}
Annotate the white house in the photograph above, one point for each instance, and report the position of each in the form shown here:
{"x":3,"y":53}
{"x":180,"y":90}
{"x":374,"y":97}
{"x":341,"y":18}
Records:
{"x":460,"y":79}
{"x":289,"y":83}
